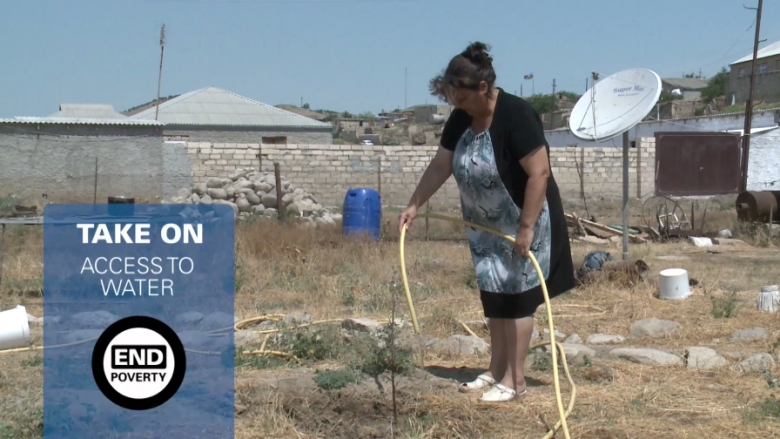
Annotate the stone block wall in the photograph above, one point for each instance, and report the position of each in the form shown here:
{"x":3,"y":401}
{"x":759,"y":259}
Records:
{"x":78,"y":163}
{"x":248,"y":136}
{"x":328,"y":171}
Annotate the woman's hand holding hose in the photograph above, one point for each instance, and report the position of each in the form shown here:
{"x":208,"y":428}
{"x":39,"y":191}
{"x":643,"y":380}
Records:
{"x":406,"y":217}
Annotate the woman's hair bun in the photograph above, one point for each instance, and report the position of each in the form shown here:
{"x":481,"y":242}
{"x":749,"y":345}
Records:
{"x":477,"y":52}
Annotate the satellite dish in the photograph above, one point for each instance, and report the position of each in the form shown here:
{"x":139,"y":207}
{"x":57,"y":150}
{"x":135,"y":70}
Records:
{"x":615,"y":104}
{"x":612,"y":107}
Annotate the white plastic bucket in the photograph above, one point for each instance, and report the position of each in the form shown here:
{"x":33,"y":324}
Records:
{"x":14,"y":328}
{"x":673,"y":284}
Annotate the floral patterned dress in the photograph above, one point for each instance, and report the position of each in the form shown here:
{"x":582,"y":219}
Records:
{"x":485,"y":201}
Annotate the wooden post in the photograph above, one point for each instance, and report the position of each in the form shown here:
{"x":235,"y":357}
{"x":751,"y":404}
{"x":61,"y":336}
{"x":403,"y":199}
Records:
{"x":279,"y":204}
{"x":582,"y":173}
{"x":427,"y":210}
{"x":638,"y":169}
{"x":94,"y":196}
{"x":379,"y":176}
{"x":2,"y":249}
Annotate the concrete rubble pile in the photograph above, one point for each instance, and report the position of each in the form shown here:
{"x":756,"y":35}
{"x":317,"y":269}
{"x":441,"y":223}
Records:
{"x":253,"y":194}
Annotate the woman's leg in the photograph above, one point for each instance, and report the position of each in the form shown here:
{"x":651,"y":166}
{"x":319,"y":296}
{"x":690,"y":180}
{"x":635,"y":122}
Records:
{"x":498,"y":349}
{"x":518,"y":334}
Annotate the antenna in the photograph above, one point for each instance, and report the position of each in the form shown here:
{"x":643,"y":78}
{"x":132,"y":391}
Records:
{"x":552,"y":105}
{"x":626,"y":98}
{"x":159,"y":78}
{"x":406,"y":105}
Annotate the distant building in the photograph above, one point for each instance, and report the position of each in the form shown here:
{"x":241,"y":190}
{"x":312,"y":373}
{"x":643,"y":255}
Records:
{"x":88,"y":111}
{"x":215,"y":115}
{"x":689,"y":88}
{"x":767,"y":86}
{"x":80,"y":154}
{"x":423,"y":113}
{"x":303,"y":112}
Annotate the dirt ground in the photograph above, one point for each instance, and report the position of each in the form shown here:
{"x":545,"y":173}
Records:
{"x":281,"y":270}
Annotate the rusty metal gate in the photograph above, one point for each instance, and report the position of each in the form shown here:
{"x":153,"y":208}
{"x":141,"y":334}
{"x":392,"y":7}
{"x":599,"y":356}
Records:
{"x":697,"y":163}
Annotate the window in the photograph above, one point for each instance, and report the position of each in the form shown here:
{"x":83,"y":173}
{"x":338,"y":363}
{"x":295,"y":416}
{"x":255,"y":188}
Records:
{"x":275,"y":140}
{"x":777,"y":68}
{"x":763,"y":68}
{"x":741,"y":72}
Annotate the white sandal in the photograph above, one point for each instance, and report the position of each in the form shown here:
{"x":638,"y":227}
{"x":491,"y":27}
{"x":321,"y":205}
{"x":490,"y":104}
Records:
{"x":500,"y":393}
{"x":481,"y":382}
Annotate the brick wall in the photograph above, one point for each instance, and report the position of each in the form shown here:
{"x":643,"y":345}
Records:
{"x":249,"y":136}
{"x":328,"y":171}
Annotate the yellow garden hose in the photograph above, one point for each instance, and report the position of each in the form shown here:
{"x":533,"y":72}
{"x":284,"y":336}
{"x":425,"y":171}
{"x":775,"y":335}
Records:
{"x":555,"y":347}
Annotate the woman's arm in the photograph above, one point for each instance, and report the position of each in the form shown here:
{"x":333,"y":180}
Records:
{"x":437,"y":172}
{"x":537,"y":166}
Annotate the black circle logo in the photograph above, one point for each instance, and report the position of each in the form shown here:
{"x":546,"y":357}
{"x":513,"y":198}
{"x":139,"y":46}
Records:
{"x":139,"y":363}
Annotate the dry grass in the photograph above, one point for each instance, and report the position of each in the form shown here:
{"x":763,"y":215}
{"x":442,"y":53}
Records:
{"x":280,"y":270}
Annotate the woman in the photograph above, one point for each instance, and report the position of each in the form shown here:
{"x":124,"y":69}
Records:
{"x":493,"y":144}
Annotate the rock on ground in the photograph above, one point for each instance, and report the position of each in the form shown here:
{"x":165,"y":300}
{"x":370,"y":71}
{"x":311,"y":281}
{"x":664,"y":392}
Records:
{"x":653,"y":328}
{"x":750,"y":334}
{"x":361,"y":324}
{"x":605,"y":339}
{"x":559,"y":336}
{"x":704,"y":358}
{"x":297,"y":318}
{"x":94,"y":319}
{"x":647,"y":356}
{"x":575,"y":353}
{"x":459,"y":344}
{"x":756,"y":363}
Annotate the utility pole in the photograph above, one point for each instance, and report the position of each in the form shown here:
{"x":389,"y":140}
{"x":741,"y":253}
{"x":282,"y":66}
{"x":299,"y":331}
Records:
{"x":159,"y":78}
{"x":552,"y":105}
{"x":749,"y":104}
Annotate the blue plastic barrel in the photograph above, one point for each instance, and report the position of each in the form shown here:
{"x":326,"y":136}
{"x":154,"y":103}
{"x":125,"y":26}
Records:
{"x":362,"y":213}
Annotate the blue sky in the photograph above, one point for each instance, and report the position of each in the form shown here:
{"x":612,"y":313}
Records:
{"x":348,"y":54}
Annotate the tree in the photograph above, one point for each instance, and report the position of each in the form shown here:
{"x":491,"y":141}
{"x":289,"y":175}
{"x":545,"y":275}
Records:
{"x":716,"y":87}
{"x":667,"y":96}
{"x":544,"y":103}
{"x":306,"y":106}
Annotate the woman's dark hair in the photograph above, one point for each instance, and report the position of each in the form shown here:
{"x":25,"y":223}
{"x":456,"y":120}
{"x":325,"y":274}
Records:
{"x":466,"y":70}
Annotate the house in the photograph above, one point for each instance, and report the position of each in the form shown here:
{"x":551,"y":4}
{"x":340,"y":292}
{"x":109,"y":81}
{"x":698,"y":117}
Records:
{"x":689,"y":88}
{"x":82,"y":153}
{"x":215,"y":115}
{"x":767,"y":86}
{"x":88,"y":111}
{"x":423,"y":113}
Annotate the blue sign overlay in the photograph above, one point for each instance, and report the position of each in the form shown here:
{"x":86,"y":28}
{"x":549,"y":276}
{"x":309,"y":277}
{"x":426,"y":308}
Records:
{"x":171,"y":265}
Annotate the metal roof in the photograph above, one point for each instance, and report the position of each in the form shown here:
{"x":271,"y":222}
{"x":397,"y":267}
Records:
{"x":770,"y":50}
{"x":213,"y":106}
{"x":79,"y":121}
{"x":88,"y":111}
{"x":686,"y":83}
